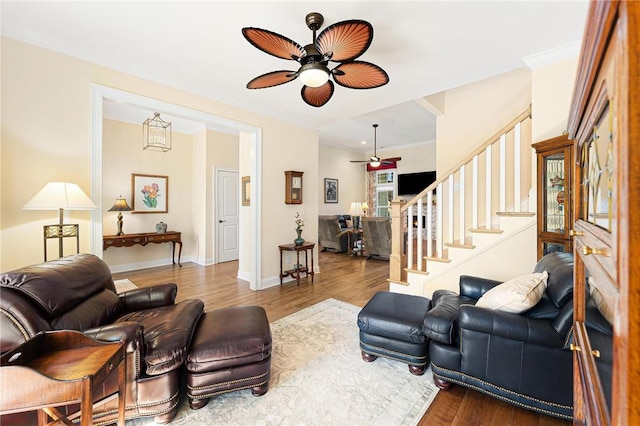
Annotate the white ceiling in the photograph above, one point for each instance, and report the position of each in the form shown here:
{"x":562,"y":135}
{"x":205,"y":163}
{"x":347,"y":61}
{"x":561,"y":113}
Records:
{"x":425,"y":47}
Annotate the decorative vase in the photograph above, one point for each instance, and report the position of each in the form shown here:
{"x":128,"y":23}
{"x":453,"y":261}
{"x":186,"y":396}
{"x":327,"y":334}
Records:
{"x":299,"y":240}
{"x":161,"y":228}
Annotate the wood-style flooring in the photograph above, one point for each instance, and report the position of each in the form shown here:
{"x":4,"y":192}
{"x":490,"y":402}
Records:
{"x":350,"y":279}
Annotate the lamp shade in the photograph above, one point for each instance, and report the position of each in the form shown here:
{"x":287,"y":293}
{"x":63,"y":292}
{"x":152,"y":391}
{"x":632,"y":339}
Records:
{"x":60,"y":195}
{"x":356,"y":209}
{"x":120,"y":206}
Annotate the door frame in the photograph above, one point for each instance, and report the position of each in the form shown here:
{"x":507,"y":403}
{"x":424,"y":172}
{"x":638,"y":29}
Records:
{"x":100,"y":93}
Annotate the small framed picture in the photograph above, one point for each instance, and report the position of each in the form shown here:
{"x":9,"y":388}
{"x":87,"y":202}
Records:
{"x":149,"y":193}
{"x":246,"y":190}
{"x":330,"y":190}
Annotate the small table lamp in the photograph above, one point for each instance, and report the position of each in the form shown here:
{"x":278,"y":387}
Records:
{"x":356,"y":212}
{"x":60,"y":196}
{"x":120,"y":206}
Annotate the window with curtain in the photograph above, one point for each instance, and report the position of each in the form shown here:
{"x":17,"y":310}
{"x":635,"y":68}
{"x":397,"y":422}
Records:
{"x":385,"y":190}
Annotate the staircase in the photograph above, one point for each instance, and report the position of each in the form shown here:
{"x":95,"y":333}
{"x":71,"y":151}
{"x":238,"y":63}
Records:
{"x":479,"y":217}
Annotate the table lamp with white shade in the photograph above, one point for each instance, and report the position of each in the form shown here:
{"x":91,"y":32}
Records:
{"x":60,"y":196}
{"x":356,"y":211}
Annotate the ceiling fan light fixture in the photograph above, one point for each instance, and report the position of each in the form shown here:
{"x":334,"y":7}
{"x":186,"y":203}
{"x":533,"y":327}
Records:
{"x":375,"y":162}
{"x":314,"y":74}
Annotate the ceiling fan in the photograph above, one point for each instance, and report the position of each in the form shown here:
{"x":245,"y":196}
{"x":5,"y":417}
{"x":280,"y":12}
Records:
{"x":342,"y":42}
{"x":374,"y":160}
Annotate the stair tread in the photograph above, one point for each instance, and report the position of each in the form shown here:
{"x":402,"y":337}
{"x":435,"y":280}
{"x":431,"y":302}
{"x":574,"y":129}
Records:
{"x":516,"y":214}
{"x":416,"y":271}
{"x":486,"y":231}
{"x":437,"y":259}
{"x":458,"y":244}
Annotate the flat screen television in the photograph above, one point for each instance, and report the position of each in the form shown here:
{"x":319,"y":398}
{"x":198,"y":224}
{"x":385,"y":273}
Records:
{"x":414,"y":183}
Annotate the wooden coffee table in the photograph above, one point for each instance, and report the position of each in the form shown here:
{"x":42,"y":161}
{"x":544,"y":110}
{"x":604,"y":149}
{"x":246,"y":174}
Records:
{"x":57,"y":368}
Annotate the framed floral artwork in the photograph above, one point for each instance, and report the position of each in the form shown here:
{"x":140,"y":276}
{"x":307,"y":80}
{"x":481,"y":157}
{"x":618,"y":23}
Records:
{"x":149,"y":193}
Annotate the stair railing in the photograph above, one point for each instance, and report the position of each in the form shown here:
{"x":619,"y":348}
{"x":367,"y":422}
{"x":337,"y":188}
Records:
{"x":448,"y":215}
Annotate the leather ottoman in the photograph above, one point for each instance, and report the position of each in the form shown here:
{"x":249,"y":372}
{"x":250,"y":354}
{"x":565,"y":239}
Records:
{"x":230,"y":351}
{"x":391,"y":326}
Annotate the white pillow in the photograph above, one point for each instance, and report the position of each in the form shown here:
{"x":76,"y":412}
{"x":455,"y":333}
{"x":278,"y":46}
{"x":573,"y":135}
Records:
{"x":516,"y":295}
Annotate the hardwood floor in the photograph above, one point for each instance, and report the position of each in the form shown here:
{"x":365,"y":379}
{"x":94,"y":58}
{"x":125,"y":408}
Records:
{"x":350,"y":279}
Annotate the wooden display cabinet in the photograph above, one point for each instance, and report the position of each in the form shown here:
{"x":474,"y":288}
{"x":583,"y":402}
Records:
{"x":555,"y":175}
{"x":605,"y":124}
{"x":293,"y":187}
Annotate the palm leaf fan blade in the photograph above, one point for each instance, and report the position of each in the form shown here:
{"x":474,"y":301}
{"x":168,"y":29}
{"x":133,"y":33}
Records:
{"x":345,"y":40}
{"x":360,"y":75}
{"x":273,"y":43}
{"x":270,"y":79}
{"x":317,"y":96}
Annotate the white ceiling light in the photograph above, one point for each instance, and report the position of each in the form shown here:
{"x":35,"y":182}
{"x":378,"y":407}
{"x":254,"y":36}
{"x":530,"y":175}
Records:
{"x":314,"y":75}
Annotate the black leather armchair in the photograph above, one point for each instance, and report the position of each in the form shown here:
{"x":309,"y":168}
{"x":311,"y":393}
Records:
{"x":523,"y":359}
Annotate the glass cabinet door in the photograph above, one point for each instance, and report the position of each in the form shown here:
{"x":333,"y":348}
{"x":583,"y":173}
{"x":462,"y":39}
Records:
{"x":555,"y":171}
{"x":555,"y":198}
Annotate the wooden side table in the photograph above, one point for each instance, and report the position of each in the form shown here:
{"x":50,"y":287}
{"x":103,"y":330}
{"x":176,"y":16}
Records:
{"x":298,"y":268}
{"x":143,"y":239}
{"x":58,"y":368}
{"x":354,"y":235}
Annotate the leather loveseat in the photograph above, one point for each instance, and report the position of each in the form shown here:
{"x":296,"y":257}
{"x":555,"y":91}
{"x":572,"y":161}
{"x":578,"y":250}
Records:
{"x":77,"y":293}
{"x":521,"y":358}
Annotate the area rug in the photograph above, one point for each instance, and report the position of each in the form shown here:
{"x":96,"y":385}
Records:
{"x":319,"y":378}
{"x":123,"y":285}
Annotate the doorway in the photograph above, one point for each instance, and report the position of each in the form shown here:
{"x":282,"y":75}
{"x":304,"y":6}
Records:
{"x":250,"y":133}
{"x":226,"y":205}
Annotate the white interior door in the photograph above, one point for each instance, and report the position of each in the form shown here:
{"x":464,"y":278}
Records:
{"x":227,"y":204}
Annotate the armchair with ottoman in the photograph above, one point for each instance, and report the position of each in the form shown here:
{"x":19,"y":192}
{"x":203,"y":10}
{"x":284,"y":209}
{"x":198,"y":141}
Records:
{"x":509,"y":340}
{"x":77,"y":293}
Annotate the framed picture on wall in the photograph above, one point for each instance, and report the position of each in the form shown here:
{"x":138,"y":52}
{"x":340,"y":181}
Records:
{"x":330,"y":190}
{"x":149,"y":193}
{"x":246,"y":190}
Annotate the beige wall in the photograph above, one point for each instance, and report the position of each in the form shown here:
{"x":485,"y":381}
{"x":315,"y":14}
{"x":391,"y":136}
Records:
{"x":551,"y":92}
{"x":335,"y":163}
{"x":123,"y":155}
{"x":474,"y":112}
{"x":46,"y":135}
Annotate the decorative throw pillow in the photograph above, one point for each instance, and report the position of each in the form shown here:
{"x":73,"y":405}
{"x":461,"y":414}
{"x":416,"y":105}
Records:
{"x":516,"y":295}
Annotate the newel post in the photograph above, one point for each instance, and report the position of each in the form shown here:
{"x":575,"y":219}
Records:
{"x":396,"y":260}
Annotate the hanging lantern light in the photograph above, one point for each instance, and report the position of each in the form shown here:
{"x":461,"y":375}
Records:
{"x":156,"y":134}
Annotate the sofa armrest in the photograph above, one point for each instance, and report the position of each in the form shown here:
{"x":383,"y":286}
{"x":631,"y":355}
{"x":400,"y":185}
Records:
{"x":133,"y":335}
{"x":441,"y":322}
{"x":475,"y":287}
{"x":509,"y":326}
{"x":149,"y":297}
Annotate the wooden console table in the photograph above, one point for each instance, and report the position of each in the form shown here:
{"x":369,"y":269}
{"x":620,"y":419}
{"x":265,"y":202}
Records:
{"x":144,"y":239}
{"x":57,"y":368}
{"x":298,"y":268}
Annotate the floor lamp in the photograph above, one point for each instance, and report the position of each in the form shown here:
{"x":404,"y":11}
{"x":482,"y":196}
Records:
{"x":60,"y":196}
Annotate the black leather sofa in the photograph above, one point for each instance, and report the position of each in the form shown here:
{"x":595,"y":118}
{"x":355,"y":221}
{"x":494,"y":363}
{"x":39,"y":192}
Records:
{"x":524,"y":359}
